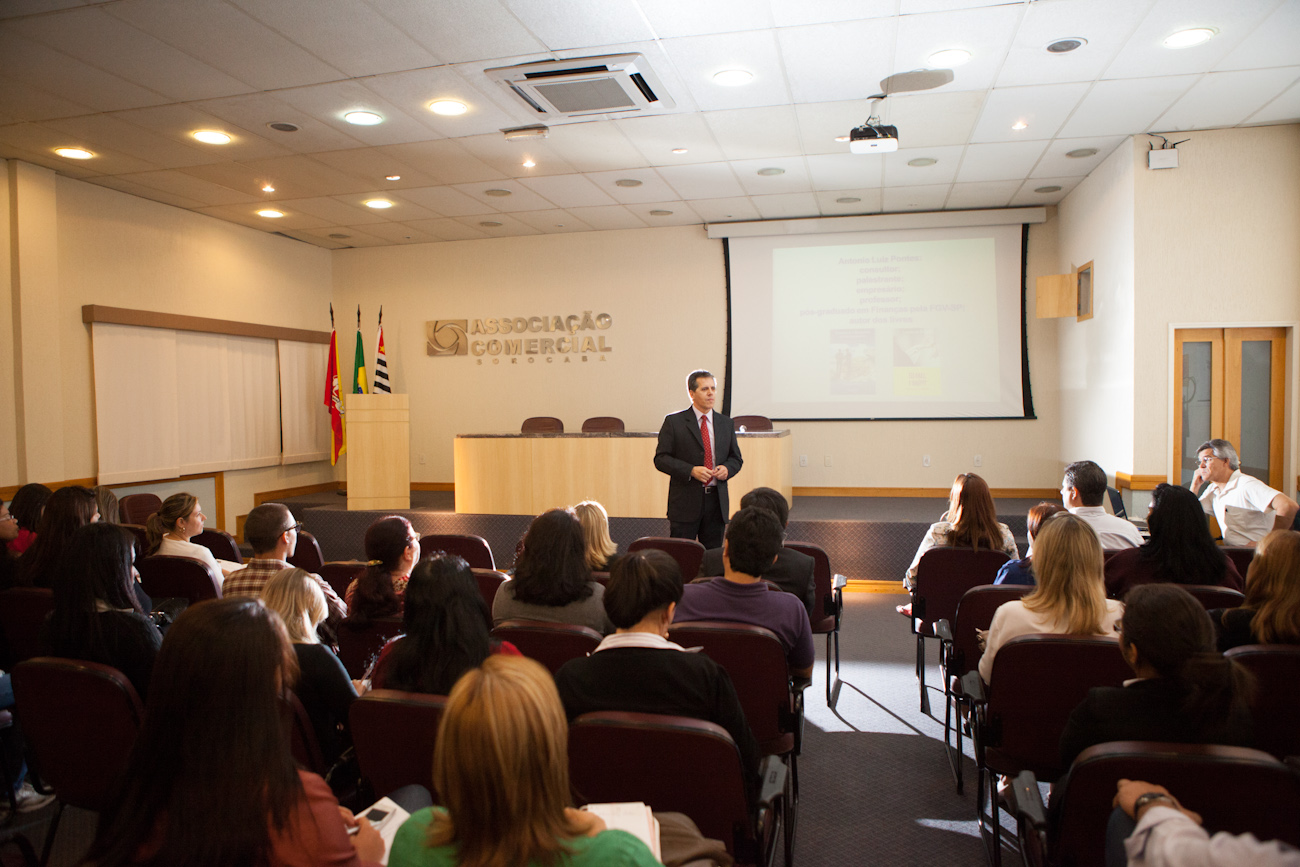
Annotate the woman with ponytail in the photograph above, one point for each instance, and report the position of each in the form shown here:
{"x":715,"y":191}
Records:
{"x":179,"y":519}
{"x":392,"y":549}
{"x":1184,"y":692}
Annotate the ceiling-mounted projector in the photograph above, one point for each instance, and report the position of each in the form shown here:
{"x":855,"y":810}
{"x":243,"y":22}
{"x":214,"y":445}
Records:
{"x":873,"y":139}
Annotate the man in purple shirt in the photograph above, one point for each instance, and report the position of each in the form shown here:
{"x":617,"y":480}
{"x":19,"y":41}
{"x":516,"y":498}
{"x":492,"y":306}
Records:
{"x":752,"y":543}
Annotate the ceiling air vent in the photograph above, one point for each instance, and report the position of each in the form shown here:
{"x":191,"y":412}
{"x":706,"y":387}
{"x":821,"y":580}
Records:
{"x":617,"y":84}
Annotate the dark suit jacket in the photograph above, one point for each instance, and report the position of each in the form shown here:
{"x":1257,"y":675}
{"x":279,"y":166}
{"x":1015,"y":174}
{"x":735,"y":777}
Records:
{"x":792,"y":571}
{"x":681,"y":449}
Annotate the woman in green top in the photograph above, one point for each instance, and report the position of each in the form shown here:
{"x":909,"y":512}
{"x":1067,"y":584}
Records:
{"x":501,"y":765}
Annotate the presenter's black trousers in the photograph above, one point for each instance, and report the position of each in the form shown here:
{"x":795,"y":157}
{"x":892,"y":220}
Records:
{"x":708,"y":529}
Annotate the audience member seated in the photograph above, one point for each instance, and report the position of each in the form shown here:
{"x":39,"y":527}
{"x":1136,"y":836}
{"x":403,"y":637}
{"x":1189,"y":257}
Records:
{"x":638,"y":669}
{"x":392,"y":547}
{"x":272,"y":533}
{"x":792,"y":570}
{"x":211,"y":779}
{"x":179,"y":519}
{"x":1180,"y":550}
{"x":96,"y":615}
{"x":27,"y":506}
{"x":501,"y":768}
{"x":106,"y":502}
{"x":752,"y":542}
{"x":1245,"y":508}
{"x":602,"y":553}
{"x":1022,"y":571}
{"x":1185,"y":690}
{"x":323,"y":687}
{"x":552,"y":580}
{"x":1082,"y":492}
{"x":8,"y":533}
{"x":970,"y":522}
{"x":445,"y":630}
{"x":67,"y":510}
{"x":1070,"y":596}
{"x":1271,"y":612}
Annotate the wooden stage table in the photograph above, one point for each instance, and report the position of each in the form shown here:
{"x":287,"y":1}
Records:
{"x":526,"y":474}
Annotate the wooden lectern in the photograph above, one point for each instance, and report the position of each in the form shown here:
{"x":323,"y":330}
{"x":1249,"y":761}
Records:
{"x":379,"y":451}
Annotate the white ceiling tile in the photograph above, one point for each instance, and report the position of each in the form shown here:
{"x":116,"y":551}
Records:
{"x":999,"y":162}
{"x":657,"y":136}
{"x":376,"y":165}
{"x":444,"y":160}
{"x":20,"y":102}
{"x":915,"y":7}
{"x":699,"y":58}
{"x":869,"y":202}
{"x":460,"y":30}
{"x":608,"y":217}
{"x":568,"y":191}
{"x":1027,"y":196}
{"x":756,"y":133}
{"x":43,"y":139}
{"x":448,"y":202}
{"x":1144,"y":56}
{"x":1105,"y":24}
{"x":1285,"y":108}
{"x":847,"y":60}
{"x":227,"y":39}
{"x":1125,"y":107}
{"x":787,"y":206}
{"x":413,"y":90}
{"x":671,"y":18}
{"x":933,"y":119}
{"x":825,"y":11}
{"x":821,"y":122}
{"x":400,"y":233}
{"x":707,"y":181}
{"x":1043,"y":108}
{"x":241,"y":178}
{"x":175,"y":123}
{"x":653,"y":186}
{"x":353,"y":36}
{"x":321,"y":237}
{"x":1055,"y":164}
{"x":520,"y":199}
{"x":449,"y":230}
{"x":578,"y":23}
{"x":19,"y":8}
{"x":986,"y":33}
{"x":844,"y":171}
{"x":507,"y":157}
{"x":724,"y":210}
{"x":794,"y":177}
{"x":253,"y":111}
{"x":307,"y":176}
{"x":510,"y":226}
{"x":1226,"y":98}
{"x":990,"y":194}
{"x":334,"y":212}
{"x":329,"y":102}
{"x":557,"y":221}
{"x":247,"y":215}
{"x":69,"y":78}
{"x":203,"y":192}
{"x":404,"y":208}
{"x":1272,"y":43}
{"x":682,"y":214}
{"x":597,"y":146}
{"x":899,"y":174}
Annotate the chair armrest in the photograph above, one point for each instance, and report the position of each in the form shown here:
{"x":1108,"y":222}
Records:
{"x":1026,"y":801}
{"x":972,"y":687}
{"x":838,"y":581}
{"x":773,"y":772}
{"x":943,"y":630}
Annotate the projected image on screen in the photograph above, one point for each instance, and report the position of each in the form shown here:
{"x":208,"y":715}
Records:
{"x":917,"y":324}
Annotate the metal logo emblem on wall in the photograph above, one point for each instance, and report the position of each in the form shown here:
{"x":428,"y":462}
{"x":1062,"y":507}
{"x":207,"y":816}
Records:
{"x":447,"y":337}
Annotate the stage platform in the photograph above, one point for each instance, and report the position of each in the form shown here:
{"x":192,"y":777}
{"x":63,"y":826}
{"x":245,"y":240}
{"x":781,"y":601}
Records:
{"x":867,"y":538}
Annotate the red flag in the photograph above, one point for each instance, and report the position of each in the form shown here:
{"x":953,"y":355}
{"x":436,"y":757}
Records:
{"x":334,"y":400}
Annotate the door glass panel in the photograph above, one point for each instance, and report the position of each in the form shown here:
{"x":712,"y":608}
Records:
{"x":1197,"y":379}
{"x":1256,"y":391}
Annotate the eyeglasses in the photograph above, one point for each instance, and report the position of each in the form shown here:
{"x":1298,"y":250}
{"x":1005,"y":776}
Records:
{"x":1205,"y":461}
{"x":295,"y":526}
{"x":7,"y":518}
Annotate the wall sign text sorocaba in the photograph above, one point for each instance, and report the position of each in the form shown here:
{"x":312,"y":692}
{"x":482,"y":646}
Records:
{"x":446,"y":337}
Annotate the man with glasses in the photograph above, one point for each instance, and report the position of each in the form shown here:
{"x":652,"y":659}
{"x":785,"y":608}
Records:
{"x":1247,"y":509}
{"x":272,"y":533}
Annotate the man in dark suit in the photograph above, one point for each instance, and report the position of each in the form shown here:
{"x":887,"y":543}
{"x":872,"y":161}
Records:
{"x":792,"y":570}
{"x":697,"y":487}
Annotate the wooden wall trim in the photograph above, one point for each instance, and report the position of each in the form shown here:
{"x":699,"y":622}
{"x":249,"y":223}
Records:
{"x":150,"y":319}
{"x":1136,"y":482}
{"x":937,"y":493}
{"x":261,"y":497}
{"x":433,"y":486}
{"x":7,"y":493}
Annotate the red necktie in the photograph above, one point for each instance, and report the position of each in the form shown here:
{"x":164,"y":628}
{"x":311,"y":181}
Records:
{"x":708,"y":444}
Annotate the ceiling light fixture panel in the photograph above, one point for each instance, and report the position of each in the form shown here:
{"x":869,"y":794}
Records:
{"x":363,"y":118}
{"x":1189,"y":38}
{"x":74,"y":153}
{"x":211,"y":136}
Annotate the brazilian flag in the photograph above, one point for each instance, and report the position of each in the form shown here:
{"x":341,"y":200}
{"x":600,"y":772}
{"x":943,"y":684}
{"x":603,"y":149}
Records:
{"x":359,"y":385}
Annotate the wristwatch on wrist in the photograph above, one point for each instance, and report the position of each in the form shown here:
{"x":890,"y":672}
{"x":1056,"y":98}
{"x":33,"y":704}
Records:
{"x":1148,"y":797}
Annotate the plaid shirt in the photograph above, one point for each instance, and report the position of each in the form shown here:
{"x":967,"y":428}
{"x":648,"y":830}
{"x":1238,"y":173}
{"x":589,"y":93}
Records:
{"x":250,"y":580}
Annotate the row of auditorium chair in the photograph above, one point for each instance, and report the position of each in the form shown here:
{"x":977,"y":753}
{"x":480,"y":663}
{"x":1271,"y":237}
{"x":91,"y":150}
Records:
{"x":610,"y":424}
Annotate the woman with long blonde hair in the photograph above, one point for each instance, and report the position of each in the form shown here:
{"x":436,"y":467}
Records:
{"x":501,"y":767}
{"x":1271,"y":612}
{"x":970,"y":522}
{"x":1071,"y":594}
{"x":601,"y":551}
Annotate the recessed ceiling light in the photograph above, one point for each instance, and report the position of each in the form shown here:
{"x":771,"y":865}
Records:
{"x":627,"y":182}
{"x":363,"y":118}
{"x":1079,"y":153}
{"x":1188,"y":38}
{"x":270,"y":213}
{"x":490,"y":224}
{"x":679,"y":150}
{"x":922,"y":162}
{"x":378,"y":204}
{"x":841,"y":138}
{"x":528,"y":163}
{"x":448,"y":107}
{"x":1051,"y":189}
{"x":497,"y":193}
{"x":283,"y":126}
{"x":771,"y":172}
{"x":267,"y":188}
{"x":848,"y":200}
{"x":661,"y":213}
{"x":732,"y":77}
{"x":1020,"y":124}
{"x":74,"y":153}
{"x":392,"y":177}
{"x":339,"y":236}
{"x":1065,"y":46}
{"x":211,"y":136}
{"x":949,"y":58}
